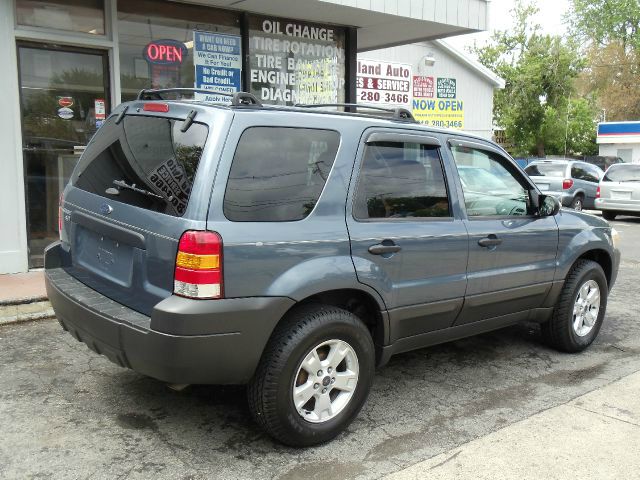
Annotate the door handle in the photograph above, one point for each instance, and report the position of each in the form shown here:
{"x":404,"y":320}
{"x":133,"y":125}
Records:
{"x":491,"y":241}
{"x":387,"y":246}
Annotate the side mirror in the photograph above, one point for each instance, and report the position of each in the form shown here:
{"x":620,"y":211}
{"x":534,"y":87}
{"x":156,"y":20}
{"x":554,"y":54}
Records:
{"x":548,"y":205}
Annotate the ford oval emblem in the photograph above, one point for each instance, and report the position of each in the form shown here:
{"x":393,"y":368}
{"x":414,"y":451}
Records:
{"x":106,"y":209}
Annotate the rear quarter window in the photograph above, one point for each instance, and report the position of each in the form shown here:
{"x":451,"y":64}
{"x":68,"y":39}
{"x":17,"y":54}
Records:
{"x":151,"y":154}
{"x":545,"y":170}
{"x":278,"y":173}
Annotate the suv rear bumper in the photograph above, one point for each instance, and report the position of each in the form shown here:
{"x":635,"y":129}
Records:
{"x":184,"y":340}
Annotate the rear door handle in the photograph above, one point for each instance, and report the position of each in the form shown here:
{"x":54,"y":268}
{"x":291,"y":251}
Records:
{"x":384,"y":247}
{"x":491,"y":241}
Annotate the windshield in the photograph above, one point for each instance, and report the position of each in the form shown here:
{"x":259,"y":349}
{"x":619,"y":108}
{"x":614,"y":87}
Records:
{"x":546,"y":169}
{"x":148,"y":162}
{"x":623,"y":173}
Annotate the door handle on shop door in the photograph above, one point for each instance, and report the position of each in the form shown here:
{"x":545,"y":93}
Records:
{"x":491,"y":241}
{"x":387,"y":246}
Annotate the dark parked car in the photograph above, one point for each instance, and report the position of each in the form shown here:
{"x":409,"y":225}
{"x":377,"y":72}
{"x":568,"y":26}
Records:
{"x":573,"y":183}
{"x":296,"y":250}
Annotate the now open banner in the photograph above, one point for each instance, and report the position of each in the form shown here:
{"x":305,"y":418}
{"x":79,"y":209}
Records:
{"x":435,"y":102}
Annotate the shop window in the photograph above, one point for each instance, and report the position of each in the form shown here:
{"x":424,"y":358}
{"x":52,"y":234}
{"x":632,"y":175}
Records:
{"x":158,"y":44}
{"x":296,"y":62}
{"x":85,"y":16}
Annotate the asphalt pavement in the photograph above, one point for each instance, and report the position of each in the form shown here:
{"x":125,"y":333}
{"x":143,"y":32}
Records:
{"x":67,"y":413}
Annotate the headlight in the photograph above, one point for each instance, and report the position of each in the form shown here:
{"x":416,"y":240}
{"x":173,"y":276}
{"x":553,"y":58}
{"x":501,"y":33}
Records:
{"x":615,"y":237}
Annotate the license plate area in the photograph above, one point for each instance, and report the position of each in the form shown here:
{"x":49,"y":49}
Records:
{"x":620,"y":195}
{"x":103,"y":256}
{"x":543,"y":186}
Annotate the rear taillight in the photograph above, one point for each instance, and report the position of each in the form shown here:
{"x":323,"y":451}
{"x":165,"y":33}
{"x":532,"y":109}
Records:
{"x":598,"y":192}
{"x":60,"y":221}
{"x":567,"y":183}
{"x":199,"y":265}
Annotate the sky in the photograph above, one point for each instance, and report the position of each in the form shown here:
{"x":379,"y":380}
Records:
{"x":549,"y":18}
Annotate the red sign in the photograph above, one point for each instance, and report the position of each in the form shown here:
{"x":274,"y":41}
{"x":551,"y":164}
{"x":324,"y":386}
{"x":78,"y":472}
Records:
{"x":65,"y":101}
{"x":423,"y":87}
{"x":165,"y":52}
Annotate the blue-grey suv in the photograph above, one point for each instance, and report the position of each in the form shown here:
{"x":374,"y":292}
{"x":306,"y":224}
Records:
{"x":295,"y":250}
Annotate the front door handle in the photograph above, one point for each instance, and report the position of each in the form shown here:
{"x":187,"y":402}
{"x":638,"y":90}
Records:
{"x":491,"y":241}
{"x":387,"y":246}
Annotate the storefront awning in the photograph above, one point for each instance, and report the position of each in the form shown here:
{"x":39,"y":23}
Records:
{"x":381,"y":23}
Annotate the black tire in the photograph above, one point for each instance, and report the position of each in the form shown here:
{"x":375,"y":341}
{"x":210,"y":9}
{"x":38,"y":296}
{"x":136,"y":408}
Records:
{"x":270,"y":391}
{"x":577,"y":203}
{"x":609,"y":215}
{"x":559,"y":332}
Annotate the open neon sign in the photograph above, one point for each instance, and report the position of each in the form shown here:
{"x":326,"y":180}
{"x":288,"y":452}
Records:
{"x":165,"y":52}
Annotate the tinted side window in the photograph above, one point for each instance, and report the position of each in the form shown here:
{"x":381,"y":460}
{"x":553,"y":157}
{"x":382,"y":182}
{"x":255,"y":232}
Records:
{"x":150,"y":159}
{"x":583,"y":172}
{"x":401,"y":180}
{"x":489,"y":185}
{"x":278,"y":173}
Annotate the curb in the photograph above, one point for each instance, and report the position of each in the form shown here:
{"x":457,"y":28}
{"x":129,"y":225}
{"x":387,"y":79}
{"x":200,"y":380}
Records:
{"x":25,"y":311}
{"x":23,"y":300}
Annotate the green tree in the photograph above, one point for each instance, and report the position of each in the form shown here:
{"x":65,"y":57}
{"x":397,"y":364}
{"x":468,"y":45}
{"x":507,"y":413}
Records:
{"x":607,"y":21}
{"x":610,"y":33}
{"x":535,"y":107}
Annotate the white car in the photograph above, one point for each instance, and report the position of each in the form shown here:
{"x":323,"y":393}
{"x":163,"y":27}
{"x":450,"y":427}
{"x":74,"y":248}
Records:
{"x":619,"y":191}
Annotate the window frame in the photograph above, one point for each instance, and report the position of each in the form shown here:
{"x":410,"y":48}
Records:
{"x":235,"y":149}
{"x":399,"y":137}
{"x":505,"y":161}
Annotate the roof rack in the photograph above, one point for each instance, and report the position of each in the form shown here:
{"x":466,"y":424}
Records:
{"x":238,"y":99}
{"x":399,"y":113}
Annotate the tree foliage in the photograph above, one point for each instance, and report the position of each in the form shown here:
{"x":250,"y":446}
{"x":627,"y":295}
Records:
{"x":610,"y":31}
{"x":538,"y":107}
{"x":607,"y":21}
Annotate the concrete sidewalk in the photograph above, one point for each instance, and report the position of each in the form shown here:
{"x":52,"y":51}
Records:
{"x":594,"y":436}
{"x":23,"y":297}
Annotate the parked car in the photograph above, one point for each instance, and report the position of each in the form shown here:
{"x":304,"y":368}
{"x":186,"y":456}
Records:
{"x":295,"y":250}
{"x":619,"y":191}
{"x":573,"y":183}
{"x":603,"y":161}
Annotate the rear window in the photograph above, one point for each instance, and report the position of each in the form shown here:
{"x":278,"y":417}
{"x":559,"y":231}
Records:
{"x":278,"y":173}
{"x":623,"y":173}
{"x":143,"y":161}
{"x":545,"y":170}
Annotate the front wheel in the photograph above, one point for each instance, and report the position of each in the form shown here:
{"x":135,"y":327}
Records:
{"x":314,"y":376}
{"x":579,"y":312}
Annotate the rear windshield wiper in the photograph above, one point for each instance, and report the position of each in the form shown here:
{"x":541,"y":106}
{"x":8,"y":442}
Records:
{"x":132,"y":187}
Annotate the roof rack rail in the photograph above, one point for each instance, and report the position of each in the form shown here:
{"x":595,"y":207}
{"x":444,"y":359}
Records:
{"x":238,"y":99}
{"x":244,"y":99}
{"x":399,"y":113}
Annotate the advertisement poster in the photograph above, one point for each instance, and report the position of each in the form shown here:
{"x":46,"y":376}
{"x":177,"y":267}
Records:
{"x":444,"y":110}
{"x":296,"y":63}
{"x":100,"y":111}
{"x":423,"y":87}
{"x":218,"y":65}
{"x":383,"y":83}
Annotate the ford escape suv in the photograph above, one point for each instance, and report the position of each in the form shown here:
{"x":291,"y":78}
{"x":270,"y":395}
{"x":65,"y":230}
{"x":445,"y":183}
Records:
{"x":295,"y":250}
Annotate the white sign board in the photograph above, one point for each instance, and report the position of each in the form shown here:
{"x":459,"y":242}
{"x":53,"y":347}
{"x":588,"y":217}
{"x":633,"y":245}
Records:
{"x":384,"y":83}
{"x":218,"y":62}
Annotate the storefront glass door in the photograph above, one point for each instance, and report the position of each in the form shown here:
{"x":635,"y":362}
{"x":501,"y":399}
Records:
{"x":64,"y":99}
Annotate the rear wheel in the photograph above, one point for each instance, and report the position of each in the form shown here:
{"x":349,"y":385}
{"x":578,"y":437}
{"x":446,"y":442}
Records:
{"x":577,"y":203}
{"x":314,"y":376}
{"x":579,"y":312}
{"x":609,"y":215}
